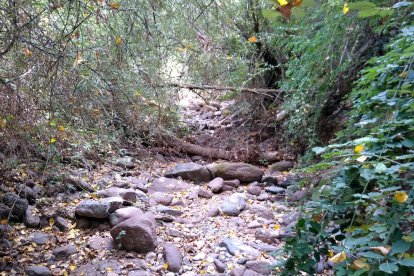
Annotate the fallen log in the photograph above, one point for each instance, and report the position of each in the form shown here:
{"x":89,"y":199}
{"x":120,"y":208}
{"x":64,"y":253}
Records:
{"x":215,"y":153}
{"x":261,"y":91}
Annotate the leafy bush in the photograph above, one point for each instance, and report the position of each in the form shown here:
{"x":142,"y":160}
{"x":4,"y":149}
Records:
{"x":362,"y":221}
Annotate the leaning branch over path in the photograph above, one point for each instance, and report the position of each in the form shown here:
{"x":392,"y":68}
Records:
{"x":261,"y":91}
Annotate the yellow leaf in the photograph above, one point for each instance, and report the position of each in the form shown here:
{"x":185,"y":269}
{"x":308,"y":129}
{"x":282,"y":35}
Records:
{"x":109,"y":269}
{"x":276,"y":226}
{"x":346,"y":8}
{"x":78,"y":60}
{"x":118,"y":41}
{"x":61,"y":128}
{"x":4,"y":221}
{"x":51,"y":221}
{"x":381,"y":249}
{"x":65,"y":273}
{"x":27,"y":52}
{"x":358,"y":149}
{"x":401,"y":196}
{"x":115,"y":6}
{"x":72,"y":266}
{"x":166,"y":266}
{"x":52,"y":140}
{"x":360,"y":264}
{"x":282,"y":2}
{"x":252,"y":39}
{"x":330,"y":253}
{"x":338,"y":258}
{"x":3,"y":123}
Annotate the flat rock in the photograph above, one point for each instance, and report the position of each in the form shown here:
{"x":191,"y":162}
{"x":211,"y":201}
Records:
{"x":98,"y":208}
{"x":123,"y":214}
{"x":169,"y":211}
{"x":262,"y":246}
{"x":235,"y":246}
{"x":137,"y":233}
{"x":275,"y":190}
{"x":261,"y":211}
{"x":38,"y":270}
{"x":125,"y":162}
{"x":249,"y":272}
{"x":281,"y":166}
{"x":64,"y":251}
{"x":191,"y":172}
{"x":265,"y":235}
{"x":220,"y":266}
{"x":101,"y":243}
{"x":233,"y":205}
{"x":173,"y":257}
{"x":241,"y":171}
{"x":168,"y":185}
{"x":202,"y":192}
{"x":261,"y":267}
{"x":39,"y":238}
{"x":162,"y":198}
{"x":216,"y":184}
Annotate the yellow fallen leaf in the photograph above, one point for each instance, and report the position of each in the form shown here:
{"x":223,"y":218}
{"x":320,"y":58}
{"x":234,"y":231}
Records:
{"x":381,"y":249}
{"x":338,"y":258}
{"x":252,"y":39}
{"x":400,"y":196}
{"x":52,"y":140}
{"x":358,"y":149}
{"x":346,"y":8}
{"x":27,"y":52}
{"x":282,"y":2}
{"x":4,"y":221}
{"x":61,"y":128}
{"x":166,"y":266}
{"x":118,"y":41}
{"x":276,"y":227}
{"x":109,"y":269}
{"x":51,"y":221}
{"x":78,"y":60}
{"x":72,"y":266}
{"x":360,"y":264}
{"x":115,"y":6}
{"x":330,"y":253}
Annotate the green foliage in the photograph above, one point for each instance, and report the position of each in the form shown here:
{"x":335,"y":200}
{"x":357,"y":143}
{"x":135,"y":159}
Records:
{"x":368,"y":211}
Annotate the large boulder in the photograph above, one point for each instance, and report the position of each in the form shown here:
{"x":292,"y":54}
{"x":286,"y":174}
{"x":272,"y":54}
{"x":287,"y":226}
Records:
{"x":137,"y":233}
{"x":123,"y":214}
{"x":98,"y":208}
{"x":190,"y":171}
{"x":233,"y":205}
{"x":17,"y":205}
{"x":29,"y":219}
{"x":246,"y":173}
{"x":168,"y":185}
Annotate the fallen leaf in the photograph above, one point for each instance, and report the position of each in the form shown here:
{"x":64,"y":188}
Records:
{"x":358,"y":149}
{"x":51,"y":221}
{"x":115,"y":6}
{"x":360,"y":264}
{"x":282,"y":2}
{"x":118,"y":41}
{"x":166,"y":266}
{"x":252,"y":39}
{"x":338,"y":258}
{"x":381,"y":249}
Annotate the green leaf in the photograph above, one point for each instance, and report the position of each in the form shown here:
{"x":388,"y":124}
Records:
{"x":372,"y":255}
{"x":361,"y":5}
{"x":400,"y":246}
{"x":368,"y":13}
{"x":388,"y":267}
{"x":407,"y":262}
{"x":270,"y":14}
